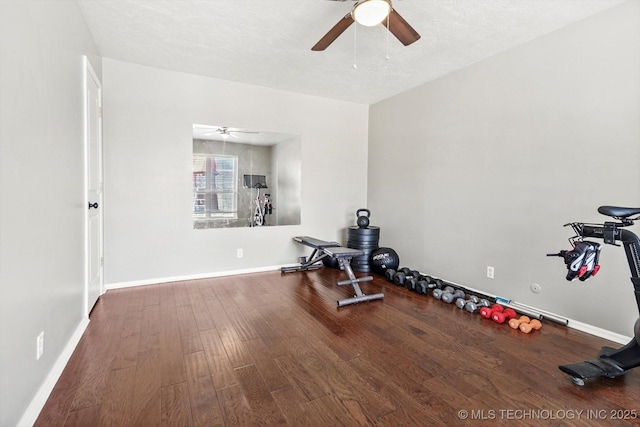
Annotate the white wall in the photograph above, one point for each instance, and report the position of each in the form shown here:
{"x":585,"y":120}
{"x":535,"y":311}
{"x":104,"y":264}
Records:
{"x":484,"y":166}
{"x":148,"y":117}
{"x":41,"y":191}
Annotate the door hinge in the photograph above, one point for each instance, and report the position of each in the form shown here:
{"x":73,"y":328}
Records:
{"x":101,"y":261}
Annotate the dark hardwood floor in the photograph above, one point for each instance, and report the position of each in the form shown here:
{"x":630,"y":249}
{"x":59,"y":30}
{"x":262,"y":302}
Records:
{"x":274,"y":349}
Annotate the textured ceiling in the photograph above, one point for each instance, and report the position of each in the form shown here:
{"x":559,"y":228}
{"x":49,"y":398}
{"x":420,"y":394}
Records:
{"x":268,"y":42}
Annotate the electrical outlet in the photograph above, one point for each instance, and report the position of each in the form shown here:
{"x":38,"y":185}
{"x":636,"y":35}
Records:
{"x":39,"y":345}
{"x":240,"y":253}
{"x":490,"y":272}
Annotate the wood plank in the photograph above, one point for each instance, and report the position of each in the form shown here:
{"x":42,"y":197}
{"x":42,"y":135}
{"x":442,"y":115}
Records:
{"x":273,"y":377}
{"x":188,"y":329}
{"x":181,"y":290}
{"x":291,"y":403}
{"x":175,"y":405}
{"x":146,"y":404}
{"x":222,"y":374}
{"x":94,"y":372}
{"x":126,"y":354}
{"x":115,"y":410}
{"x":409,"y":411}
{"x":328,"y":411}
{"x":171,"y":353}
{"x":309,"y":384}
{"x":150,"y":329}
{"x":243,"y":329}
{"x":235,"y":407}
{"x":88,"y":416}
{"x":237,"y":351}
{"x":151,"y":295}
{"x":255,"y":390}
{"x":201,"y":315}
{"x":205,"y":409}
{"x":58,"y":405}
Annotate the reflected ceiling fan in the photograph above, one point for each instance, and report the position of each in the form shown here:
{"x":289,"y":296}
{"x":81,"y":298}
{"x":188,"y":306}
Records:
{"x":370,"y":13}
{"x":223,"y":130}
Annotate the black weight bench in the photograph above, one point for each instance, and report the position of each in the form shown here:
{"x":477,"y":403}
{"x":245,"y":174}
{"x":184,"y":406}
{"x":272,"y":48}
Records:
{"x":321,"y":250}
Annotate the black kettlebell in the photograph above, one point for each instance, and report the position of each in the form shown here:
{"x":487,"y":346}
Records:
{"x":363,"y":221}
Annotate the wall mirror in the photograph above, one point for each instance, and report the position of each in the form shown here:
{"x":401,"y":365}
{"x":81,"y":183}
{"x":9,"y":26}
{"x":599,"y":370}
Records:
{"x":245,"y":178}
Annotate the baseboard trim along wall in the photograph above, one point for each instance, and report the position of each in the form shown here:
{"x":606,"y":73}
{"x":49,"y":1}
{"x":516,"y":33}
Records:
{"x":33,"y":410}
{"x":599,"y":332}
{"x":156,"y":281}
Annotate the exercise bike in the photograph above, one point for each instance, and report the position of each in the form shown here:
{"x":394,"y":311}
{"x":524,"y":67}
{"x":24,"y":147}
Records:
{"x":582,"y":263}
{"x":263,"y":208}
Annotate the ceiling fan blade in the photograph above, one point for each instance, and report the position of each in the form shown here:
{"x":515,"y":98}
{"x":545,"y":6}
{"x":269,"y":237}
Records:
{"x":242,"y":131}
{"x":334,"y":33}
{"x":401,"y":28}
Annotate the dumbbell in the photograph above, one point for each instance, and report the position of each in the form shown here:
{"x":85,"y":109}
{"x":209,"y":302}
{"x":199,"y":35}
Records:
{"x":389,"y":274}
{"x":471,"y":307}
{"x":439,"y":283}
{"x":411,"y":283}
{"x":450,"y":297}
{"x":461,"y":302}
{"x":437,"y":293}
{"x":504,"y":315}
{"x":487,"y":312}
{"x":399,"y":278}
{"x":528,"y":327}
{"x":403,"y":274}
{"x":443,"y":293}
{"x":423,"y":285}
{"x":405,"y":270}
{"x":515,"y":323}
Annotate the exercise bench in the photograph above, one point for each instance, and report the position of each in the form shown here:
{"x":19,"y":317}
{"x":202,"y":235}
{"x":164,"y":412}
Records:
{"x":322,"y":250}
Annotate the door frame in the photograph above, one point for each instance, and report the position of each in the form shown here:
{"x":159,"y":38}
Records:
{"x":89,"y":73}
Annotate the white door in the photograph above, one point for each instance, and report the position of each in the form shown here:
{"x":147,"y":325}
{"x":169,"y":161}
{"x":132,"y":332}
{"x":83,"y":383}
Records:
{"x":93,"y":187}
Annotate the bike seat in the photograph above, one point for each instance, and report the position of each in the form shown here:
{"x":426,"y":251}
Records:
{"x":618,"y":212}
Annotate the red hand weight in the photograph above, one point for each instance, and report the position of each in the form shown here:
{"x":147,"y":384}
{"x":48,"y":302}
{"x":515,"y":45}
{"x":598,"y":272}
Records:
{"x":487,"y":312}
{"x":502,"y":316}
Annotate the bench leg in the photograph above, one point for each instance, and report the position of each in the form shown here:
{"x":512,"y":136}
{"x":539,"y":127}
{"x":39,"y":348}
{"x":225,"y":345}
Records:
{"x":313,"y":263}
{"x":345,"y":264}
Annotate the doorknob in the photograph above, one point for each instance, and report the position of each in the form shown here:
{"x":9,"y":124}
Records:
{"x":94,"y":205}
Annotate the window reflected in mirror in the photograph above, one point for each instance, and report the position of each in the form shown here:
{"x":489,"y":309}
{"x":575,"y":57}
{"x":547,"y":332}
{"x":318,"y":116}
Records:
{"x":245,"y":178}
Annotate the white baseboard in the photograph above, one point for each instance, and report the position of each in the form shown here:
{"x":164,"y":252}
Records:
{"x":599,"y":332}
{"x":156,"y":281}
{"x":37,"y":403}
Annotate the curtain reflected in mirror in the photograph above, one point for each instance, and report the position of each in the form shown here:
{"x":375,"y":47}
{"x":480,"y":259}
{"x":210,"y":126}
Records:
{"x":245,"y":178}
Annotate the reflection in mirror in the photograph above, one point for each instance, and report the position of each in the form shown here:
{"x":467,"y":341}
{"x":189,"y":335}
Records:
{"x":245,"y":178}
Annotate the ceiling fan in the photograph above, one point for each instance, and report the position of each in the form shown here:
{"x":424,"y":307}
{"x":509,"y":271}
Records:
{"x":370,"y":13}
{"x":222,"y":130}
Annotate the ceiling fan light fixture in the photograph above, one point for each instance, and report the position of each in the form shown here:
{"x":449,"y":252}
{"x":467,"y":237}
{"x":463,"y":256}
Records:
{"x":371,"y":12}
